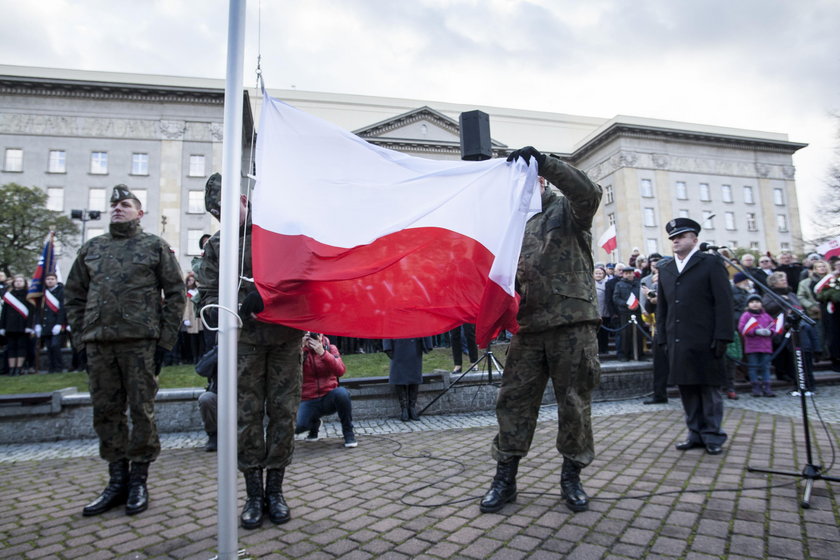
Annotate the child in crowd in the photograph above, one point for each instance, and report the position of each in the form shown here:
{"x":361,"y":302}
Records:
{"x":757,"y":326}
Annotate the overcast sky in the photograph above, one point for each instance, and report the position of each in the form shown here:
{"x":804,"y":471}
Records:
{"x":769,"y":65}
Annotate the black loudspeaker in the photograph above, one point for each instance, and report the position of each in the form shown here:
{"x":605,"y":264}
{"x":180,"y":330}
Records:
{"x":475,"y":136}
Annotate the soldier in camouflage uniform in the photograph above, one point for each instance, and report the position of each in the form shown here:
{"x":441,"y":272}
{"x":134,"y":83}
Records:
{"x":268,"y":376}
{"x":558,"y":322}
{"x":124,"y":299}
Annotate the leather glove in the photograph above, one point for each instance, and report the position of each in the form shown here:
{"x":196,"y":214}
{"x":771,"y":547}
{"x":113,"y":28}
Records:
{"x":526,"y":153}
{"x":719,"y":347}
{"x":253,"y":303}
{"x":763,"y":332}
{"x":56,"y":330}
{"x":160,"y":352}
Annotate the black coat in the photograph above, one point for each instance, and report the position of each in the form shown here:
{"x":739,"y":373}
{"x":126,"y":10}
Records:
{"x":50,"y":318}
{"x":406,"y":359}
{"x":694,"y":309}
{"x":11,"y":320}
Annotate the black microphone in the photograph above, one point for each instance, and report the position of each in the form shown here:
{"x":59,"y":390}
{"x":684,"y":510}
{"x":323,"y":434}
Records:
{"x":706,"y":247}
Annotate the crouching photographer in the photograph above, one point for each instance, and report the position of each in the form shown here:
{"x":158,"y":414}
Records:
{"x":320,"y":393}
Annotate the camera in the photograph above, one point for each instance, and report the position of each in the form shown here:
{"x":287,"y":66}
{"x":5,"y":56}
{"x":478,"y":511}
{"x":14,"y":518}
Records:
{"x":313,"y":335}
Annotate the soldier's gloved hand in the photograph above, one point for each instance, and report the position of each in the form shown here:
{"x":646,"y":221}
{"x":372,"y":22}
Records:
{"x":160,"y":352}
{"x":253,"y":303}
{"x":527,"y":153}
{"x":719,"y":347}
{"x":2,"y":332}
{"x":763,"y":332}
{"x":38,"y":330}
{"x":27,"y":330}
{"x":187,"y":323}
{"x":56,"y":330}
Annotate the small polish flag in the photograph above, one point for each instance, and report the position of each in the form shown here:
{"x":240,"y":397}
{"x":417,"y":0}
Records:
{"x":780,"y":323}
{"x":749,"y":326}
{"x":822,"y":283}
{"x":632,"y":301}
{"x":608,"y":241}
{"x":830,"y":248}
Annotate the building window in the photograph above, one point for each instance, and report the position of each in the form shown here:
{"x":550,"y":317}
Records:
{"x":96,"y":199}
{"x":682,"y":191}
{"x":705,"y":193}
{"x":611,"y":218}
{"x":57,"y":162}
{"x":99,"y":163}
{"x":726,"y":193}
{"x":751,"y":223}
{"x":193,"y":237}
{"x":609,"y":196}
{"x":730,"y":220}
{"x":13,"y":161}
{"x":196,"y":166}
{"x":748,"y":195}
{"x":651,"y":245}
{"x":778,"y":197}
{"x":139,"y":164}
{"x":754,"y":245}
{"x":781,"y":221}
{"x":142,"y":195}
{"x":733,"y":244}
{"x":785,"y":246}
{"x":650,"y":217}
{"x":92,"y":232}
{"x":195,"y":202}
{"x":55,"y":199}
{"x":682,"y":213}
{"x":708,"y":221}
{"x":647,"y":188}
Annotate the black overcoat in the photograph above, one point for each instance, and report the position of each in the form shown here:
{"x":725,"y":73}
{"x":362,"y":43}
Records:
{"x":407,"y":360}
{"x":694,"y":309}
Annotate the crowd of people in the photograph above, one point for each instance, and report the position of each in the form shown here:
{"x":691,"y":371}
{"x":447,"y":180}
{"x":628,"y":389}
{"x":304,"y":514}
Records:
{"x":627,"y":302}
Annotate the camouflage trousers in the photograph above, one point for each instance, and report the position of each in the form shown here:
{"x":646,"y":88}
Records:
{"x":569,"y":357}
{"x":122,"y":375}
{"x":269,"y":379}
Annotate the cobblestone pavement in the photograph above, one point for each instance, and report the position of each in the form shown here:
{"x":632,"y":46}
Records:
{"x":411,"y":491}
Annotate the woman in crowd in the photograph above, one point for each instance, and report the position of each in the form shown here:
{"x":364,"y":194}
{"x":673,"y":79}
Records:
{"x":17,"y":323}
{"x":600,"y":275}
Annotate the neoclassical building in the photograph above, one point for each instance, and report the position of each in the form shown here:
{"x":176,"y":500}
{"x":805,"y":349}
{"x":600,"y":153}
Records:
{"x":75,"y":134}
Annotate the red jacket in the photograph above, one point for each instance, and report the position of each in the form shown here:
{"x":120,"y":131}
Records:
{"x":320,"y":373}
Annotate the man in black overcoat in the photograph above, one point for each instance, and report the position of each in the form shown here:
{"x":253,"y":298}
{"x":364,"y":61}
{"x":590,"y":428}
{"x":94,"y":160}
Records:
{"x":694,"y":320}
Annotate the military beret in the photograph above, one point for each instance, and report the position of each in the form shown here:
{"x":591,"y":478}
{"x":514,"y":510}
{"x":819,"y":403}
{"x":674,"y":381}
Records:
{"x":213,"y":195}
{"x":739,"y":277}
{"x":121,"y":192}
{"x":678,"y":226}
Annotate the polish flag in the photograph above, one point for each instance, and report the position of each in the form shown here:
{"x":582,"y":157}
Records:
{"x":352,"y":239}
{"x":822,"y":283}
{"x":608,"y":241}
{"x":749,"y":326}
{"x":780,"y":323}
{"x":830,"y":248}
{"x":632,"y":301}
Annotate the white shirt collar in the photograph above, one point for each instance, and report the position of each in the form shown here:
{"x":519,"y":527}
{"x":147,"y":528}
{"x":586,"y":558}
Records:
{"x":682,"y":262}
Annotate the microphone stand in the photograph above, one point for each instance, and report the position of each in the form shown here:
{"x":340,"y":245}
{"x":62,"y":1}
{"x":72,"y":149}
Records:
{"x":811,"y":472}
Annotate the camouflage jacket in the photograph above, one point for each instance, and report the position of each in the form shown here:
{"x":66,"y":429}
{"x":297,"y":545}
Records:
{"x":253,"y":331}
{"x":113,"y":291}
{"x":554,"y":277}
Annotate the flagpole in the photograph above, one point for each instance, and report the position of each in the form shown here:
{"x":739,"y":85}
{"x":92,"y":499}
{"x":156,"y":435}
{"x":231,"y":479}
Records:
{"x":228,"y":281}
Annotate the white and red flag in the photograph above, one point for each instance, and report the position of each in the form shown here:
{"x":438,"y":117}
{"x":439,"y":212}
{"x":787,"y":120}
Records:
{"x":780,"y":323}
{"x":830,"y":248}
{"x":353,"y":239}
{"x":821,"y":285}
{"x":608,"y":241}
{"x":632,"y":301}
{"x":749,"y":326}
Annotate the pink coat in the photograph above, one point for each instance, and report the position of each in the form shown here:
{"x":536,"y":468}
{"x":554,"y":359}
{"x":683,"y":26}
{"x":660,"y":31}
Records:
{"x":754,"y":344}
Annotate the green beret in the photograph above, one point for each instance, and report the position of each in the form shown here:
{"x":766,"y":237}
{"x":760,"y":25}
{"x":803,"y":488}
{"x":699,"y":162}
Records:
{"x":213,"y":195}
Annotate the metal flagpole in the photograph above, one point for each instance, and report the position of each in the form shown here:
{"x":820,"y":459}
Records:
{"x":229,"y":280}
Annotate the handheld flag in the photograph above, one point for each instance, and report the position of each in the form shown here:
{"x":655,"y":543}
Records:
{"x":46,"y":265}
{"x":749,"y":326}
{"x":780,"y":324}
{"x":353,"y":239}
{"x":830,"y":248}
{"x":608,"y":241}
{"x":632,"y":301}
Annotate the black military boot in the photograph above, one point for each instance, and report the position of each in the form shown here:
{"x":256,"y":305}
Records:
{"x":114,"y":494}
{"x":212,"y":442}
{"x":402,"y":396}
{"x":503,"y":488}
{"x":576,"y":498}
{"x":252,"y":514}
{"x":275,"y":503}
{"x":138,"y":496}
{"x":412,"y":402}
